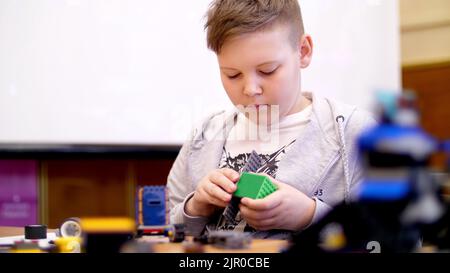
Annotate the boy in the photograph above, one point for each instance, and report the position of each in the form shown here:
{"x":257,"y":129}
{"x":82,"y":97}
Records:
{"x":261,"y":48}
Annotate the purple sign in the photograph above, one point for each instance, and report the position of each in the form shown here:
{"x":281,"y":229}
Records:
{"x":18,"y":192}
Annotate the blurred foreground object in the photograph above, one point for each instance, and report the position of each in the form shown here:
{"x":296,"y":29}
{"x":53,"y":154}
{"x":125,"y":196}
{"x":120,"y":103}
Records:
{"x":175,"y":232}
{"x":399,"y":203}
{"x":226,"y":239}
{"x":106,"y":235}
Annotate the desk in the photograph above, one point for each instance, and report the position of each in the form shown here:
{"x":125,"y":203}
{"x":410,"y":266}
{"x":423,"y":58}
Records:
{"x":164,"y":246}
{"x":16,"y":231}
{"x":11,"y":231}
{"x":256,"y":246}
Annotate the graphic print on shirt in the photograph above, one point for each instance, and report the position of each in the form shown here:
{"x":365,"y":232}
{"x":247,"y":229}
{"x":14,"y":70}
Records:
{"x":237,"y":163}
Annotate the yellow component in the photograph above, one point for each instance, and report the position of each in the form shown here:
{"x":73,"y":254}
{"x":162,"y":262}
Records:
{"x":26,"y":251}
{"x":107,"y":225}
{"x":26,"y":247}
{"x":335,"y":241}
{"x":68,"y":244}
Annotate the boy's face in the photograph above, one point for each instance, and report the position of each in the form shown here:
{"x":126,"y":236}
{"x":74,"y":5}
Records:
{"x":263,"y":68}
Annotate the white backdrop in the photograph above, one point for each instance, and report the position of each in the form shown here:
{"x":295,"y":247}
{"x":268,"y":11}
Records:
{"x":139,"y":72}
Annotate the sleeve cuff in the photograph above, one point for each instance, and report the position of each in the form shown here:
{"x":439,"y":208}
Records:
{"x":321,"y":210}
{"x":194,"y":224}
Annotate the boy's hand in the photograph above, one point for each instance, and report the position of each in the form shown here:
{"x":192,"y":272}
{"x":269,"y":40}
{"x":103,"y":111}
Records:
{"x":287,"y":208}
{"x":214,"y":191}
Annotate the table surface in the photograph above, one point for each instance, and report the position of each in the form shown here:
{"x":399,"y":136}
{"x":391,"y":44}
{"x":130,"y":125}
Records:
{"x":11,"y":231}
{"x":163,"y":246}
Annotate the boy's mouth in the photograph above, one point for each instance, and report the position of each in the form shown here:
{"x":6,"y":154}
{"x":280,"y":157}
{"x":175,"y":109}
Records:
{"x":257,"y":106}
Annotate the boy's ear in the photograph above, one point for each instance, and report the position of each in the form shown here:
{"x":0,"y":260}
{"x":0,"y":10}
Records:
{"x":306,"y":50}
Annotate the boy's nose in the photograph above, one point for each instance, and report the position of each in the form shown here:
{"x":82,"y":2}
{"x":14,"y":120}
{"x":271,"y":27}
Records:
{"x":252,"y":88}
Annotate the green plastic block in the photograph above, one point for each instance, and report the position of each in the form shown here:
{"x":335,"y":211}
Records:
{"x":254,"y":186}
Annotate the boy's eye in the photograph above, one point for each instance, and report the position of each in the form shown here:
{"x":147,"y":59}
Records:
{"x":234,"y":76}
{"x":267,"y":73}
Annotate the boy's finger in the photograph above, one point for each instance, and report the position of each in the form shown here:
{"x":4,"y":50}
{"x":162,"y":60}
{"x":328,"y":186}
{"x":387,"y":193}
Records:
{"x":256,"y":215}
{"x":262,"y":224}
{"x":230,"y":174}
{"x":269,"y":202}
{"x":217,"y":192}
{"x":219,"y":179}
{"x":218,"y":202}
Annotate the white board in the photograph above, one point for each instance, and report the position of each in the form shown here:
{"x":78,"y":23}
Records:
{"x":139,"y":72}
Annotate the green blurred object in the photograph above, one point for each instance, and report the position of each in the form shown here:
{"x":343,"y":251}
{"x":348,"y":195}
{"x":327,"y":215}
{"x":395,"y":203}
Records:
{"x":254,"y":186}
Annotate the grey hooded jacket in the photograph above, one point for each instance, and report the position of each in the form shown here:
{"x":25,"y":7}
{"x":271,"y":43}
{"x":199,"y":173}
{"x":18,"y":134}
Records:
{"x":323,"y":162}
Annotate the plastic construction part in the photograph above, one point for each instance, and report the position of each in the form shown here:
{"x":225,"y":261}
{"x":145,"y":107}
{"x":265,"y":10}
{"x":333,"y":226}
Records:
{"x":253,"y":163}
{"x":229,"y":239}
{"x":175,"y":232}
{"x":35,"y":232}
{"x":151,"y":206}
{"x":232,"y":210}
{"x":254,"y":186}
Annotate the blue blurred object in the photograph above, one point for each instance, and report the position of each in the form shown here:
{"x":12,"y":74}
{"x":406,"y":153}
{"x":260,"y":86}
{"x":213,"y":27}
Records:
{"x":386,"y":190}
{"x":151,"y":205}
{"x":393,"y":148}
{"x":394,"y":139}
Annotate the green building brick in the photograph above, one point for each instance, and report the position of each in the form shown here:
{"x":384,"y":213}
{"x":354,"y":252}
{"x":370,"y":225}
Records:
{"x":254,"y":186}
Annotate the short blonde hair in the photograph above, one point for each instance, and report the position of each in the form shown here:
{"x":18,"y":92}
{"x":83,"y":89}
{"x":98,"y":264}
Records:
{"x":230,"y":18}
